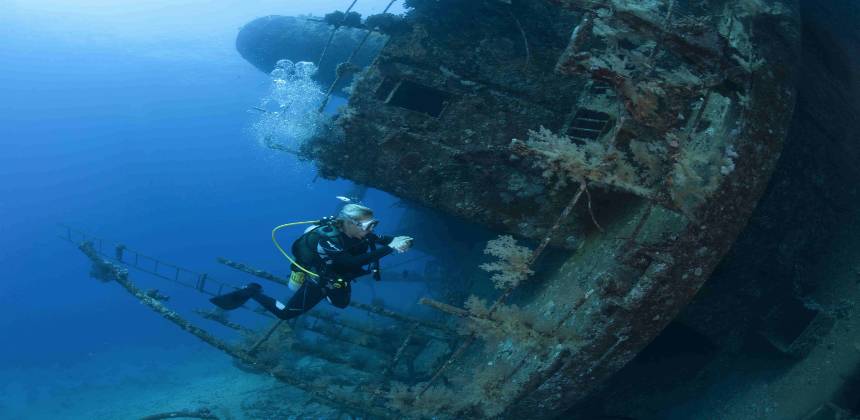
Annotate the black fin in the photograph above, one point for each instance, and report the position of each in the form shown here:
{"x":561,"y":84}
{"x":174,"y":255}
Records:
{"x":236,"y":298}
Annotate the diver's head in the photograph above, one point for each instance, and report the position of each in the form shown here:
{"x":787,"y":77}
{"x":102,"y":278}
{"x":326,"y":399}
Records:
{"x":356,"y":221}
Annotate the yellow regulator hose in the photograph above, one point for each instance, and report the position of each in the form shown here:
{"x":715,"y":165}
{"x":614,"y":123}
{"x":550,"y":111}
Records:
{"x":275,"y":240}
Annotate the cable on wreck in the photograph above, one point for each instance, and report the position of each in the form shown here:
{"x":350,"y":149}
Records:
{"x":346,"y":66}
{"x":523,"y":34}
{"x":535,"y":255}
{"x":583,"y":188}
{"x":334,"y":31}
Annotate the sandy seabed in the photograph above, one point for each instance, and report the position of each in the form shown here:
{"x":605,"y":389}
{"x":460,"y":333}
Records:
{"x":144,"y":381}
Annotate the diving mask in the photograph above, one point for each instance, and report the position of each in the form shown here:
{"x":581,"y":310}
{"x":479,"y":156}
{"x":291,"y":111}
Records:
{"x":366,"y":225}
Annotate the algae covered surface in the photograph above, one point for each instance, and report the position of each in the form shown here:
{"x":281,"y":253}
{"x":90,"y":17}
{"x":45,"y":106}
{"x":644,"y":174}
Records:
{"x":572,"y":172}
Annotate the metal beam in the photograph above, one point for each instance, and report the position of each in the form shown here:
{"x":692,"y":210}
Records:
{"x":120,"y":275}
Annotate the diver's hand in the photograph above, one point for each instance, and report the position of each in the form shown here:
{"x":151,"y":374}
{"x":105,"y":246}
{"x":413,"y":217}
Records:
{"x":401,"y":243}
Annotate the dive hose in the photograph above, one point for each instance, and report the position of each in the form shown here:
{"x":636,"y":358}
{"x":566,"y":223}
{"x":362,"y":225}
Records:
{"x":277,"y":245}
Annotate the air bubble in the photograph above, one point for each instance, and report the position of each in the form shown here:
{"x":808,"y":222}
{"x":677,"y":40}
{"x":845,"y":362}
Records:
{"x":291,"y":116}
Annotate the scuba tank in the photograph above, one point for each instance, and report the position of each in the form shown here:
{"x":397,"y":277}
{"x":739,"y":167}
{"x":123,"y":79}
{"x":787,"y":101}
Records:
{"x":304,"y":249}
{"x":299,"y":274}
{"x":297,"y":279}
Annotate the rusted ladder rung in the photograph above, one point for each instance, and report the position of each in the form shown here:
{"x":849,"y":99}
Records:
{"x":201,"y":283}
{"x":594,"y":120}
{"x":402,"y":318}
{"x":591,"y":130}
{"x":245,"y":268}
{"x":337,"y":400}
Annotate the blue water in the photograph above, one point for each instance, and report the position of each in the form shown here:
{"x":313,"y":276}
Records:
{"x":131,"y":122}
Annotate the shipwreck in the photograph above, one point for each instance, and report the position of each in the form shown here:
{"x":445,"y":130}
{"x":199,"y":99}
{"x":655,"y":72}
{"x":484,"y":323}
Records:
{"x":638,"y":136}
{"x":618,"y":147}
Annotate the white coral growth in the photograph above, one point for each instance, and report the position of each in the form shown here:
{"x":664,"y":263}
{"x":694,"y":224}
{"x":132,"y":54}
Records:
{"x":563,"y":160}
{"x":513,"y":264}
{"x":728,"y":160}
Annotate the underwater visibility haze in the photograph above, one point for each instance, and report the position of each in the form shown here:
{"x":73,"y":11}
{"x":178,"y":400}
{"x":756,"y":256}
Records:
{"x":429,"y":209}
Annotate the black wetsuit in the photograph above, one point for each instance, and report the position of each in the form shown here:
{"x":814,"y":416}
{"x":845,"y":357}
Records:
{"x":338,"y":259}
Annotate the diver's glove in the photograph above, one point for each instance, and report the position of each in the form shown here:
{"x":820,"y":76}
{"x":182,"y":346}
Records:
{"x":401,"y":243}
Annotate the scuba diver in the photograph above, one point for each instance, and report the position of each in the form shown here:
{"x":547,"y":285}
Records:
{"x":328,"y":256}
